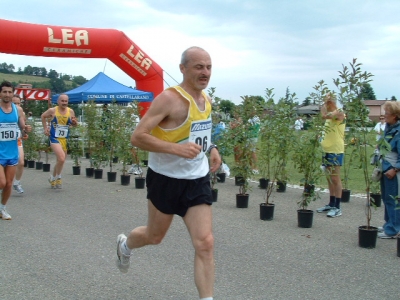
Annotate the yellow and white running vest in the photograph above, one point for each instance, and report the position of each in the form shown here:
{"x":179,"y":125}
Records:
{"x":197,"y":129}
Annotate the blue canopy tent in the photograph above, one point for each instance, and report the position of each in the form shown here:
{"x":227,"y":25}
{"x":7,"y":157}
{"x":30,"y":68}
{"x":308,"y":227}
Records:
{"x":103,"y":89}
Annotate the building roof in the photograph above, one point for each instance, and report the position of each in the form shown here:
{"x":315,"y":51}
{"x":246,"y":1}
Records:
{"x":375,"y":102}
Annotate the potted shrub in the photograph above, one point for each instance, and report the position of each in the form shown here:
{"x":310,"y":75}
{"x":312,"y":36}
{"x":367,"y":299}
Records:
{"x":213,"y":182}
{"x":74,"y":147}
{"x":219,"y":134}
{"x":126,"y":124}
{"x":46,"y":149}
{"x":306,"y":158}
{"x":242,"y":168}
{"x":110,"y":123}
{"x":283,"y":137}
{"x":30,"y":146}
{"x":91,"y":118}
{"x":375,"y":195}
{"x":266,"y":141}
{"x":350,"y":86}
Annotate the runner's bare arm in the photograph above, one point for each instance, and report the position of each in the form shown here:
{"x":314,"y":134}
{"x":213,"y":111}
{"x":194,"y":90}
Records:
{"x":45,"y":116}
{"x":74,"y":121}
{"x":21,"y":122}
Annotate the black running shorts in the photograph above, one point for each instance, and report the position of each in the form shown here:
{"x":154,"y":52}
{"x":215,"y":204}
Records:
{"x":175,"y":196}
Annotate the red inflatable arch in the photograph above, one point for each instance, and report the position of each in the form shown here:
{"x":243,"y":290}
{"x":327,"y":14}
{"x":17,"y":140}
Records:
{"x":63,"y":41}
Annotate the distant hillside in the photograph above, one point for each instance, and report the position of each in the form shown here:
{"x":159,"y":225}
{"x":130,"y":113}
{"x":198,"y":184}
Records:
{"x":28,"y":79}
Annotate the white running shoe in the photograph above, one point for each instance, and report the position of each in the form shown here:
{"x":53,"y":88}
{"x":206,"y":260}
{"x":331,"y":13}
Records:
{"x":334,"y":212}
{"x":18,"y":188}
{"x":123,"y":261}
{"x":5,"y":215}
{"x":135,"y":169}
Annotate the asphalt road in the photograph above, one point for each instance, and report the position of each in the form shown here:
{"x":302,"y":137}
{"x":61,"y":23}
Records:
{"x":61,"y":244}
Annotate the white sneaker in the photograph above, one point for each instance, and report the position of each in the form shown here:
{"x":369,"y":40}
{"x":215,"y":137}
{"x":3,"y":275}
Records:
{"x":18,"y":188}
{"x":5,"y":215}
{"x":135,"y":169}
{"x":123,"y":261}
{"x":255,"y":172}
{"x":334,"y":212}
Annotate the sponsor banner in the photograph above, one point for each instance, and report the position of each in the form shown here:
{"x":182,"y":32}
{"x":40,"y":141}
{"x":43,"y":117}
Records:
{"x":33,"y":94}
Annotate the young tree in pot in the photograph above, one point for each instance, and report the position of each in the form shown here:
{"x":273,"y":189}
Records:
{"x":243,"y":162}
{"x":266,"y":140}
{"x":350,"y":85}
{"x":74,"y":147}
{"x":91,"y":118}
{"x":110,"y":122}
{"x":30,"y":147}
{"x":306,"y":158}
{"x":126,"y":125}
{"x":99,"y":151}
{"x":283,"y":137}
{"x":219,"y":134}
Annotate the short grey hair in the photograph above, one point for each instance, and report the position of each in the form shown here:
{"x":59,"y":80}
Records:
{"x":185,"y":58}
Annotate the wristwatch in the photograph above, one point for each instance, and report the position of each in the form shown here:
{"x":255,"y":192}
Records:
{"x":396,"y":170}
{"x":212,"y":146}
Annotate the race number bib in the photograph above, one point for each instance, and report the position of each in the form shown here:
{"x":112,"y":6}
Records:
{"x":61,"y":131}
{"x":200,"y":133}
{"x":8,"y":132}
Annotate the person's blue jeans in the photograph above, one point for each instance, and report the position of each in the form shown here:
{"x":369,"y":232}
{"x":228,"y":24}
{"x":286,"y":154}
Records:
{"x":389,"y":190}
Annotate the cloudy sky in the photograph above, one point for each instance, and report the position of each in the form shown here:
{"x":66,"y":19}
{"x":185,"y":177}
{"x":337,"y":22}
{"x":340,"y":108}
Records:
{"x":254,"y":44}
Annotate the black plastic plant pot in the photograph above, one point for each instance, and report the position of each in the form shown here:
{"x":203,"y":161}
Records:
{"x":140,"y":182}
{"x":367,"y":237}
{"x":221,"y":177}
{"x":239,"y":180}
{"x":111,"y":176}
{"x":125,"y":179}
{"x":242,"y":200}
{"x":263,"y":183}
{"x":398,"y":246}
{"x":31,"y":164}
{"x":346,"y":195}
{"x":281,"y":187}
{"x":267,"y":211}
{"x":305,"y":218}
{"x":46,"y":168}
{"x":214,"y":193}
{"x":376,"y":199}
{"x":89,"y":172}
{"x":76,"y":170}
{"x":98,"y":173}
{"x":39,"y":165}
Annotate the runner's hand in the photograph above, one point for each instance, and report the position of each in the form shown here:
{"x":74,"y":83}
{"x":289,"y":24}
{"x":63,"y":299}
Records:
{"x":190,"y":150}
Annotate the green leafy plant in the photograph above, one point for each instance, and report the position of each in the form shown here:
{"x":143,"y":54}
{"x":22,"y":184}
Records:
{"x":32,"y":143}
{"x":266,"y":137}
{"x":110,"y":121}
{"x":74,"y":145}
{"x":350,"y":83}
{"x":306,"y":158}
{"x":126,"y":124}
{"x":240,"y":136}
